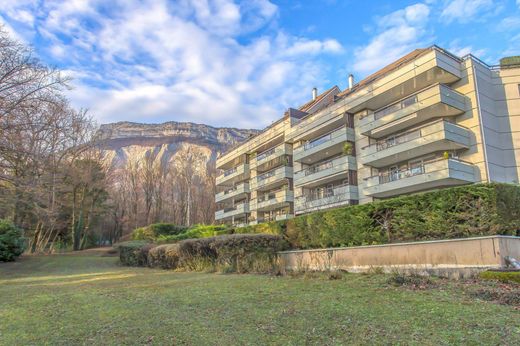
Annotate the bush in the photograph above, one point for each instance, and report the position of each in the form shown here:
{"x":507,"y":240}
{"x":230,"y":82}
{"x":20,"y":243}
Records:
{"x":164,"y":256}
{"x":134,"y":253}
{"x":196,"y":232}
{"x":247,"y":252}
{"x":164,"y":233}
{"x":157,"y":256}
{"x":502,"y":276}
{"x":230,"y":253}
{"x":12,"y":243}
{"x":460,"y":212}
{"x":156,"y":230}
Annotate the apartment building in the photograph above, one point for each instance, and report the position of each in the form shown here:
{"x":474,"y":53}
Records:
{"x":427,"y":121}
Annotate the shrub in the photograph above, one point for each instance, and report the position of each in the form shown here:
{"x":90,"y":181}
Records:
{"x":171,"y":256}
{"x":194,"y":251}
{"x":157,"y":256}
{"x":460,"y":212}
{"x":134,"y":253}
{"x":247,"y":252}
{"x":230,"y":253}
{"x":164,"y":256}
{"x":502,"y":276}
{"x":196,"y":232}
{"x":12,"y":243}
{"x":156,"y":230}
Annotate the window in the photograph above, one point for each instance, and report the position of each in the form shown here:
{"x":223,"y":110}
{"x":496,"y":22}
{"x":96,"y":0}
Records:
{"x":518,"y":89}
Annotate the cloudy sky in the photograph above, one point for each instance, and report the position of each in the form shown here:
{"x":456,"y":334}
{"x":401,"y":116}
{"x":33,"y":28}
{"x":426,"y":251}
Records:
{"x":241,"y":63}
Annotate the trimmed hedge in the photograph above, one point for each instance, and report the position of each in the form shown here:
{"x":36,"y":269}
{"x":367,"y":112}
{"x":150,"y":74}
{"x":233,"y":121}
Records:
{"x":460,"y":212}
{"x":12,"y":242}
{"x":134,"y":253}
{"x":228,"y":253}
{"x":164,"y":256}
{"x":502,"y":276}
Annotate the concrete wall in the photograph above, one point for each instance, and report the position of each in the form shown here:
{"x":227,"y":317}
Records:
{"x":472,"y":253}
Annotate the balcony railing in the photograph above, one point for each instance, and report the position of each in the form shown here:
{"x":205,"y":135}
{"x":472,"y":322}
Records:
{"x":266,"y":175}
{"x":327,"y":197}
{"x":396,"y":106}
{"x":316,"y":142}
{"x":318,"y":168}
{"x":276,"y":175}
{"x":421,"y":177}
{"x":236,"y":190}
{"x":419,"y":169}
{"x":265,"y":154}
{"x":227,"y":212}
{"x":400,"y":174}
{"x":273,"y":200}
{"x":435,"y":101}
{"x":325,"y":170}
{"x":234,"y":174}
{"x":230,"y":171}
{"x":326,"y":192}
{"x":396,"y":140}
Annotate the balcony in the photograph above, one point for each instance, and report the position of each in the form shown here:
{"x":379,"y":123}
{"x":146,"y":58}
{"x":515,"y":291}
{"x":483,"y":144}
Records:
{"x":279,"y":217}
{"x":324,"y":172}
{"x":283,"y":217}
{"x":271,"y":179}
{"x":434,"y":137}
{"x":234,"y":175}
{"x":333,"y":197}
{"x":434,"y":102}
{"x":330,"y":144}
{"x":273,"y":200}
{"x":238,"y":191}
{"x":430,"y":175}
{"x":263,"y":160}
{"x":237,"y":210}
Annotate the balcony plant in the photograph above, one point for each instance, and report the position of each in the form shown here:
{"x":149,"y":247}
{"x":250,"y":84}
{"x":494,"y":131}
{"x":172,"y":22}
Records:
{"x":348,"y":149}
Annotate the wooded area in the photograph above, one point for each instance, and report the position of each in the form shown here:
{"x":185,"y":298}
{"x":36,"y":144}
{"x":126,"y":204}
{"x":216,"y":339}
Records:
{"x":55,"y":180}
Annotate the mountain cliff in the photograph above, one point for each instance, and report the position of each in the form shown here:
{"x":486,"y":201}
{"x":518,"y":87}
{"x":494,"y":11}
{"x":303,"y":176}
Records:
{"x":127,"y":141}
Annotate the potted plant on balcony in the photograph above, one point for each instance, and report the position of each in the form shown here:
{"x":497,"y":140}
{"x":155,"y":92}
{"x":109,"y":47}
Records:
{"x":446,"y":155}
{"x":348,"y":149}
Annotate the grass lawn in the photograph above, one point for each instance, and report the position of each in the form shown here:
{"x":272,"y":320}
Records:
{"x":89,"y":299}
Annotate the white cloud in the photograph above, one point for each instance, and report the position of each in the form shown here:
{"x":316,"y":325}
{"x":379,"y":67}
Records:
{"x":189,"y":60}
{"x":514,"y":47}
{"x":397,"y":34}
{"x":509,"y":23}
{"x":465,"y":10}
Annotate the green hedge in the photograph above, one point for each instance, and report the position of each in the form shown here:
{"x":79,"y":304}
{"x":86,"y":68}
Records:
{"x":156,"y":230}
{"x":195,"y":232}
{"x":134,"y":253}
{"x":227,"y":253}
{"x":12,"y":242}
{"x":510,"y":276}
{"x":460,"y":212}
{"x":164,"y":233}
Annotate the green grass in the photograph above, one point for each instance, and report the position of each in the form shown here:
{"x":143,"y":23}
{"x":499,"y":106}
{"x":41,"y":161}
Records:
{"x":88,"y":299}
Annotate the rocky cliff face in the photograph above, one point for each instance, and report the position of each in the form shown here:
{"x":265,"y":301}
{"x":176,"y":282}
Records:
{"x":126,"y":141}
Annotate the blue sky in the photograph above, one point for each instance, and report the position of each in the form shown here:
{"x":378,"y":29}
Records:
{"x":241,"y":64}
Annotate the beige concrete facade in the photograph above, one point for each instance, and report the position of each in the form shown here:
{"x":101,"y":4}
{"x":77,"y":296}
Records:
{"x":428,"y":121}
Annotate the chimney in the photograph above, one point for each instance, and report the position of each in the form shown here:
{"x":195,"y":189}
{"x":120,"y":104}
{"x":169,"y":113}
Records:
{"x":314,"y":93}
{"x":350,"y":81}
